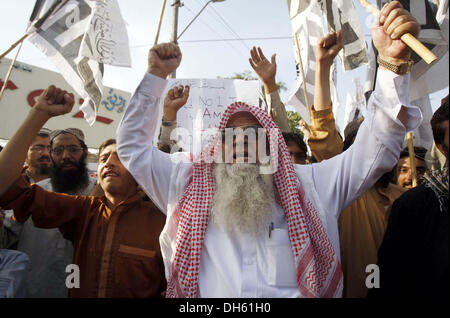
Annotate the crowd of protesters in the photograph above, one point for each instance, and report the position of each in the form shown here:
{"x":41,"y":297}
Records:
{"x":229,"y":222}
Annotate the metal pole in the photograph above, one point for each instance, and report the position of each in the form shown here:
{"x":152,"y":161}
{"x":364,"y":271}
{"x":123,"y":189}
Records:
{"x":176,"y":4}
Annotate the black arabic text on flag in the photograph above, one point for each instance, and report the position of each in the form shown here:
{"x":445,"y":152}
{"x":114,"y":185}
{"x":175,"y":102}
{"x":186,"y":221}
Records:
{"x":78,"y":37}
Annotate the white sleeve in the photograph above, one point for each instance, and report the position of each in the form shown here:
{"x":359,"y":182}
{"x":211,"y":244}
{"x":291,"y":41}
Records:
{"x":150,"y":167}
{"x":342,"y":179}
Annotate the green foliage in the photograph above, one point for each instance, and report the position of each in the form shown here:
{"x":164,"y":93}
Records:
{"x":245,"y":75}
{"x":294,"y":118}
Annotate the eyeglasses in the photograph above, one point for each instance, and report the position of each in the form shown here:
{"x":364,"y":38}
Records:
{"x":40,"y":148}
{"x":73,"y":150}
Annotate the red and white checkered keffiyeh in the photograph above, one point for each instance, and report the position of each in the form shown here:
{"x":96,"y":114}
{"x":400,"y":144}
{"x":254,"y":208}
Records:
{"x":318,"y":269}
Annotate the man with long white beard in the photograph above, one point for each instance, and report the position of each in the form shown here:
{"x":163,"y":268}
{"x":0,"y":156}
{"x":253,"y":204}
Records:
{"x":243,"y":198}
{"x":230,"y":232}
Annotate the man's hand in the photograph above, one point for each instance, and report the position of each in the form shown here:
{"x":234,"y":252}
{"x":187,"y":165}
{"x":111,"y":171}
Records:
{"x":266,"y":70}
{"x":393,"y":22}
{"x":328,"y":47}
{"x":175,"y":99}
{"x":163,"y":59}
{"x":54,"y":102}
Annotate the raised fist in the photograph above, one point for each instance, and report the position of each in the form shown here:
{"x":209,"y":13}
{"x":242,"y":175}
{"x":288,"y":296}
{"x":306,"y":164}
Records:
{"x":175,"y":99}
{"x":328,"y":47}
{"x":55,"y":101}
{"x":163,"y":59}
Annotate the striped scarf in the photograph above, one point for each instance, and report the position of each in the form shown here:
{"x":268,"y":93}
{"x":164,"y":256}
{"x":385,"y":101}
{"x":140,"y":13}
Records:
{"x":437,"y":180}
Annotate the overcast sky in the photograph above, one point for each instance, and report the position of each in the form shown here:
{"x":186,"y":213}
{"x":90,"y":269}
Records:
{"x":231,"y":19}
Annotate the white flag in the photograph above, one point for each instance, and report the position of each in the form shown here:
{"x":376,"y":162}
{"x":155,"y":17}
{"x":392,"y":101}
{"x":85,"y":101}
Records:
{"x":353,"y":107}
{"x":307,"y":23}
{"x":61,"y":33}
{"x":341,"y":15}
{"x":350,"y":109}
{"x":334,"y":93}
{"x":371,"y":73}
{"x":106,"y":39}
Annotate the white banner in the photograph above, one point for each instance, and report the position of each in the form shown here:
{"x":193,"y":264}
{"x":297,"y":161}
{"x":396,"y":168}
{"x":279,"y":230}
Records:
{"x":208,"y":99}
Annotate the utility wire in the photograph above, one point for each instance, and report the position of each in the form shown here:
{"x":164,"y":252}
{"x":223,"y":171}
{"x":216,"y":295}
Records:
{"x":213,"y":30}
{"x":224,"y":23}
{"x":230,"y":28}
{"x":240,"y":39}
{"x":226,"y":40}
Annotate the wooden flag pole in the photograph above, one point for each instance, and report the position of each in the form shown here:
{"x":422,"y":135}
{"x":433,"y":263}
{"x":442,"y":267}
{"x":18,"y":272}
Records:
{"x":407,"y":38}
{"x":412,"y":158}
{"x":5,"y":82}
{"x":160,"y":21}
{"x":14,"y":45}
{"x":303,"y":75}
{"x":36,"y":25}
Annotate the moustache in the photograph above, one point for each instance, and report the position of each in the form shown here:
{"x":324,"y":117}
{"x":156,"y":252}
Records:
{"x":66,"y":163}
{"x":44,"y":158}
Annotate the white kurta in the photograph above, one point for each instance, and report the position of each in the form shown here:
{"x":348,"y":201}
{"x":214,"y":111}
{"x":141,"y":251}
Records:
{"x":238,"y":265}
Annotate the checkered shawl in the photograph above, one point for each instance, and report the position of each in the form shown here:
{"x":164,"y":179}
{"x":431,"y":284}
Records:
{"x":318,"y":270}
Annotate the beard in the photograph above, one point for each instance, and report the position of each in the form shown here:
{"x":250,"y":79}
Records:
{"x":69,"y":181}
{"x":43,"y":169}
{"x":243,"y":198}
{"x":40,"y":168}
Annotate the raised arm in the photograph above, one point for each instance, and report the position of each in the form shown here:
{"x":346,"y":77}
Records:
{"x":150,"y":167}
{"x":174,"y":100}
{"x":389,"y":116}
{"x":52,"y":102}
{"x":324,"y":140}
{"x":15,"y":193}
{"x":266,"y":72}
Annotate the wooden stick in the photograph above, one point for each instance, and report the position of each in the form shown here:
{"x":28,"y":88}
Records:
{"x":160,"y":21}
{"x":412,"y":158}
{"x":407,"y":38}
{"x":5,"y":82}
{"x":14,"y":45}
{"x":303,"y":76}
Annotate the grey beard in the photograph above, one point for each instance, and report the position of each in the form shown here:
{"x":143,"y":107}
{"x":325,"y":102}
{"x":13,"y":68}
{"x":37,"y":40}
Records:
{"x":243,"y":198}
